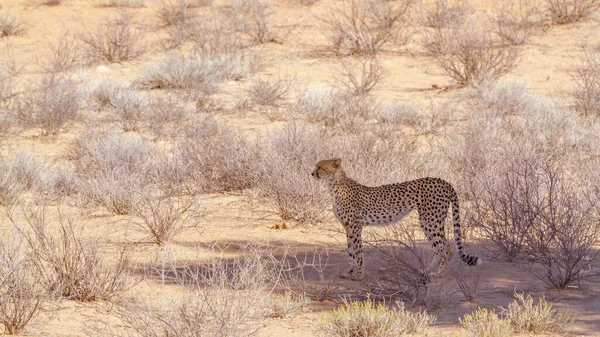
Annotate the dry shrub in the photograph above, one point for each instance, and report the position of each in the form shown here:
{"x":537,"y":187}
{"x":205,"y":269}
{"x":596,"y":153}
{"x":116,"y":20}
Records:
{"x":485,"y":323}
{"x":115,"y":171}
{"x":216,"y":157}
{"x":19,"y":174}
{"x":336,"y":111}
{"x":162,"y":217}
{"x":51,"y":106}
{"x":61,"y":181}
{"x":364,"y":27}
{"x":252,"y":19}
{"x":530,"y":194}
{"x":270,"y":92}
{"x":177,"y":12}
{"x":568,"y":11}
{"x":515,"y":21}
{"x":586,"y":84}
{"x":11,"y":23}
{"x":166,"y":115}
{"x":199,"y":75}
{"x":21,"y":294}
{"x":526,"y":316}
{"x":63,"y":55}
{"x":129,"y":107}
{"x":470,"y":55}
{"x":405,"y":268}
{"x":503,"y":208}
{"x":117,"y":39}
{"x":117,"y":190}
{"x":172,"y":12}
{"x":564,"y":230}
{"x":205,"y":33}
{"x":466,"y":281}
{"x":443,"y":14}
{"x":71,"y":267}
{"x":369,"y":319}
{"x":361,"y":76}
{"x":222,"y":297}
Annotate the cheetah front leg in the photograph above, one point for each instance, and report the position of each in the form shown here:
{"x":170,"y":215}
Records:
{"x":355,"y":253}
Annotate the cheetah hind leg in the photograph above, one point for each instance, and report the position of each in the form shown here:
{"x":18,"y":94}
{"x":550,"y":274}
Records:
{"x":441,"y":258}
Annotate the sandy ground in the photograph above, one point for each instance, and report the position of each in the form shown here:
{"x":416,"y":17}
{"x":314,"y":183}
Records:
{"x":229,"y":219}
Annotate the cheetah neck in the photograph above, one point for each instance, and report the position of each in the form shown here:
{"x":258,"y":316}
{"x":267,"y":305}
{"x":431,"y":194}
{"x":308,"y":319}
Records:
{"x":339,"y":181}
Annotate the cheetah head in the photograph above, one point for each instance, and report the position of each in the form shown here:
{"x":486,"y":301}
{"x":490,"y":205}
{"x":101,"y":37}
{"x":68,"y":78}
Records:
{"x":327,"y":168}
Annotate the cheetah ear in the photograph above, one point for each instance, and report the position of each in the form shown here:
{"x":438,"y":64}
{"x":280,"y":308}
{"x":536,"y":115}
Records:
{"x":337,"y":162}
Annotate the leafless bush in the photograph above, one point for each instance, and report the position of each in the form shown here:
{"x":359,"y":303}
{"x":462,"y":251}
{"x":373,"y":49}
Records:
{"x":117,"y":39}
{"x":565,"y":231}
{"x":270,"y":92}
{"x":63,"y":55}
{"x":467,"y":281}
{"x":404,"y":274}
{"x":586,"y":84}
{"x":361,"y":76}
{"x":52,"y":105}
{"x":442,"y":14}
{"x":129,"y":106}
{"x":337,"y":111}
{"x":364,"y":27}
{"x":165,"y":115}
{"x":217,"y":158}
{"x":503,"y":208}
{"x":252,"y":18}
{"x":200,"y":74}
{"x":19,"y":174}
{"x":162,"y":217}
{"x":115,"y":170}
{"x":470,"y":55}
{"x":569,"y":11}
{"x":62,"y":182}
{"x":516,"y":20}
{"x":70,"y":267}
{"x":21,"y":294}
{"x":96,"y":151}
{"x":172,"y":12}
{"x":116,"y":190}
{"x":10,"y":23}
{"x":226,"y":295}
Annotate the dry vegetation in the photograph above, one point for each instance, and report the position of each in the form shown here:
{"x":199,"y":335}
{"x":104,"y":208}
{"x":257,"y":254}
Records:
{"x":150,"y":150}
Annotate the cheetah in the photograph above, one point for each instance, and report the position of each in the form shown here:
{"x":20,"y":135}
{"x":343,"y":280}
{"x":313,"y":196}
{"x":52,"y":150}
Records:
{"x":356,"y":206}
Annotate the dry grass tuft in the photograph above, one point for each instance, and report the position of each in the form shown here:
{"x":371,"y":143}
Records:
{"x":526,"y":316}
{"x":369,"y":319}
{"x":485,"y":323}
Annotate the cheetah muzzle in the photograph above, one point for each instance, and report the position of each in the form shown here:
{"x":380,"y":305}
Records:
{"x":356,"y":206}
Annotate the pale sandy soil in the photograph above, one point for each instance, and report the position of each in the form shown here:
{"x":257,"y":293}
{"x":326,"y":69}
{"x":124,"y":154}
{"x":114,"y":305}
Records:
{"x":545,"y":65}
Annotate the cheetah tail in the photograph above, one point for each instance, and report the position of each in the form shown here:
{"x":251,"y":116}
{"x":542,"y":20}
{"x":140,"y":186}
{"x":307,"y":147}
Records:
{"x":468,"y":259}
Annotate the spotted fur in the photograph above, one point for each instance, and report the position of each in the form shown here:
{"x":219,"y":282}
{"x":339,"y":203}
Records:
{"x":356,"y":206}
